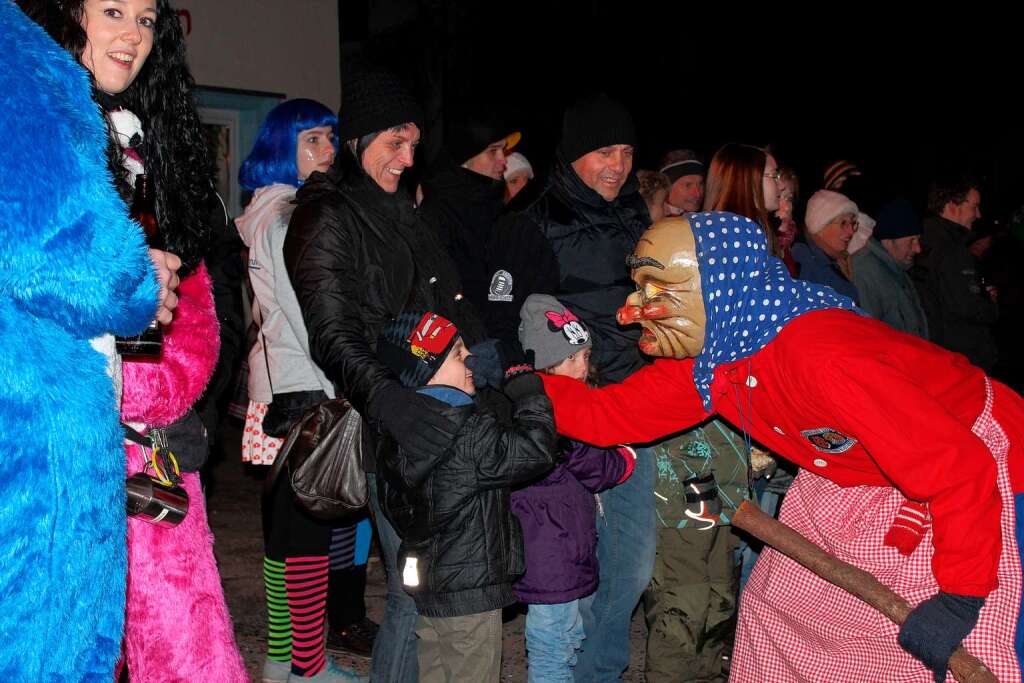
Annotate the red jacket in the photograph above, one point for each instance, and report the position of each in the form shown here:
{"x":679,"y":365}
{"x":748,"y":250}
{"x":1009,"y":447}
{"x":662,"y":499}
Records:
{"x":845,"y":397}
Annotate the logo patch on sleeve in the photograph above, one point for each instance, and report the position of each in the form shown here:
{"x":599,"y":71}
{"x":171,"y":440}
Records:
{"x":828,"y":440}
{"x":501,"y":286}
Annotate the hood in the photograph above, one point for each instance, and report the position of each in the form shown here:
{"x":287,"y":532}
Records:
{"x":748,"y":294}
{"x":267,"y":204}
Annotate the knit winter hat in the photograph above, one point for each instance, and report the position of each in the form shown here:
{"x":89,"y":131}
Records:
{"x":373,"y":100}
{"x":467,"y":136}
{"x":517,"y":162}
{"x":825,"y":206}
{"x":415,"y":345}
{"x":550,"y":330}
{"x":594,"y":123}
{"x":678,"y":169}
{"x":838,"y":172}
{"x":897,"y":219}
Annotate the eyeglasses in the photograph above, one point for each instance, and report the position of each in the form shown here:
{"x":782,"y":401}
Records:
{"x":776,"y":176}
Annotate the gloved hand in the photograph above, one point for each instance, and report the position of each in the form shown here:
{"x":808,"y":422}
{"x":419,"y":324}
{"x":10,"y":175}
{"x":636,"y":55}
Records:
{"x":937,"y":626}
{"x":485,"y":362}
{"x":491,"y":359}
{"x":413,"y":420}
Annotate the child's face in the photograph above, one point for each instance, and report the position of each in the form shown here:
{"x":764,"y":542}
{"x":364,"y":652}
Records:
{"x":576,"y":366}
{"x":453,"y":372}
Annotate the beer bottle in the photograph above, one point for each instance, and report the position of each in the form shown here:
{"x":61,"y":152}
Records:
{"x":143,"y":211}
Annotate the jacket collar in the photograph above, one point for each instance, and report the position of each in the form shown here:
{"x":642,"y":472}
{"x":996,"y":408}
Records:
{"x":570,"y":188}
{"x":883,"y":255}
{"x":954,"y":231}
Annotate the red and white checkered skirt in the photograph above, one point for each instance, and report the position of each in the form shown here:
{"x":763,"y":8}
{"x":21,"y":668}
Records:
{"x":794,"y":626}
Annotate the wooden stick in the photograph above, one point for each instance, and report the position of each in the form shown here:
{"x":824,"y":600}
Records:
{"x":966,"y":667}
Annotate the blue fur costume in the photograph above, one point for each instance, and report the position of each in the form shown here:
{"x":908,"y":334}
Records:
{"x":72,"y":267}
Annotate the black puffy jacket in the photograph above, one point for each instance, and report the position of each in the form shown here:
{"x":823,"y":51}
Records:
{"x":462,"y":207}
{"x":453,"y":511}
{"x":572,"y":244}
{"x":358,"y":256}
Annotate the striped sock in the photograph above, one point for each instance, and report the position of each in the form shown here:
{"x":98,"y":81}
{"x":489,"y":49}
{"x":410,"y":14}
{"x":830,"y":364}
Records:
{"x":306,"y":580}
{"x":279,"y":622}
{"x":343,"y":547}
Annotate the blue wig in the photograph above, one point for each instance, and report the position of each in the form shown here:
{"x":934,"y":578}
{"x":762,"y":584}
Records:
{"x":272,"y":159}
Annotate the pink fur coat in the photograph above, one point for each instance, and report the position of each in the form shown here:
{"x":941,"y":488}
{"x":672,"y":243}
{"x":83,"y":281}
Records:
{"x":177,"y":626}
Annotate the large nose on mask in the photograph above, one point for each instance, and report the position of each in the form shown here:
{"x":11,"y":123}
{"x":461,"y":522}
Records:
{"x":631,"y":312}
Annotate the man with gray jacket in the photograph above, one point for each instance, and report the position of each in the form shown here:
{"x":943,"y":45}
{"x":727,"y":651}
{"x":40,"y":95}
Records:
{"x":880,"y":270}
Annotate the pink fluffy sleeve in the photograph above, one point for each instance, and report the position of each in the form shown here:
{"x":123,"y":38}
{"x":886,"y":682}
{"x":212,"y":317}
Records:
{"x":158,"y":393}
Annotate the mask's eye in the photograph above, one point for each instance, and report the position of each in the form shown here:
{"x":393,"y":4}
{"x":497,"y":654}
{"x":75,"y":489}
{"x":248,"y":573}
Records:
{"x":651,"y":290}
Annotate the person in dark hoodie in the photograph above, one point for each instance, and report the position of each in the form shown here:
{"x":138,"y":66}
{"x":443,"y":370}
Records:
{"x":558,"y":512}
{"x":572,"y":243}
{"x":461,"y":546}
{"x":357,"y":255}
{"x":464,"y":194}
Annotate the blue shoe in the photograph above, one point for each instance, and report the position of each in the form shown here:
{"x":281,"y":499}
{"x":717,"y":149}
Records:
{"x":332,"y":673}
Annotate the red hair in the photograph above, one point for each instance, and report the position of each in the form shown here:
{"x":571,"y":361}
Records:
{"x":735,"y":184}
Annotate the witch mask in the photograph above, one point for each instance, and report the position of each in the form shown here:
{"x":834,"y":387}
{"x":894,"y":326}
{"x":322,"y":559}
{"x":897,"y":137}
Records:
{"x":668,"y":303}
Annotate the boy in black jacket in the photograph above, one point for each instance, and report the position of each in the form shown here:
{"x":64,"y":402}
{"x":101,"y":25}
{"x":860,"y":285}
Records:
{"x":461,"y":546}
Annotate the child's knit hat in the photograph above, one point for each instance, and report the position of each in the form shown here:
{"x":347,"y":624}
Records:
{"x":550,"y":330}
{"x":415,"y":344}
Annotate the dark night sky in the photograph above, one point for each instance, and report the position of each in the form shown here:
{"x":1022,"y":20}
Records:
{"x":900,"y":100}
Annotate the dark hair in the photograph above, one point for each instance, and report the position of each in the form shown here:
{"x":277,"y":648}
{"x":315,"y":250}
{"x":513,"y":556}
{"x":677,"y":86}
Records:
{"x":272,"y":159}
{"x":735,"y":183}
{"x":175,"y":149}
{"x":949,"y":189}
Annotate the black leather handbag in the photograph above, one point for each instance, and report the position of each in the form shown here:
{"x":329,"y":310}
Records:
{"x":323,"y":454}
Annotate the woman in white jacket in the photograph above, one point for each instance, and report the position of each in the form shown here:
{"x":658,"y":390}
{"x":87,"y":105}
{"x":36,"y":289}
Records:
{"x":296,"y":139}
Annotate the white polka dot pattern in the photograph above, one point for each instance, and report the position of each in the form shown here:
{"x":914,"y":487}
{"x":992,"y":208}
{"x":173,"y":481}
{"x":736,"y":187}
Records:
{"x":732,"y":249}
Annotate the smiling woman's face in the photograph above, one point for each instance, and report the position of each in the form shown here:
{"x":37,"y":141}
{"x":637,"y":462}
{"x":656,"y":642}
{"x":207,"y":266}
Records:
{"x":119,"y":37}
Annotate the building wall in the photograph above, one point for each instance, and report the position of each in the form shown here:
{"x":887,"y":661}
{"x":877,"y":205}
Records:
{"x":279,"y":46}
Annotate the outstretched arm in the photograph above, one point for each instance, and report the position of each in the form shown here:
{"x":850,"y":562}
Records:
{"x":655,"y":401}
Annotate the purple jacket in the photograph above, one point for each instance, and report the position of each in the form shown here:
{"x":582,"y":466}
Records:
{"x":558,"y":517}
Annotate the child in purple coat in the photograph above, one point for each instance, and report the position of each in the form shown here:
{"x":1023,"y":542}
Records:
{"x":558,"y":512}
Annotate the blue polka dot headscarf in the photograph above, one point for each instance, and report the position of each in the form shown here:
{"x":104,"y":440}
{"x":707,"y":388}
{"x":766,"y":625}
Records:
{"x":748,"y":294}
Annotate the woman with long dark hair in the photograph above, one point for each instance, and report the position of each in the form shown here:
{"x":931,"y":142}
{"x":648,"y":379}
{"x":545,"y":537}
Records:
{"x":177,"y":626}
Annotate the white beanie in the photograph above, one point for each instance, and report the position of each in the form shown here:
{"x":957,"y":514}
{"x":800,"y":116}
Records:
{"x":517,"y":162}
{"x":825,"y":206}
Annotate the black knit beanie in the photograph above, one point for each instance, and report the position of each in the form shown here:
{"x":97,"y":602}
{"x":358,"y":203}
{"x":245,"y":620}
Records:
{"x":593,"y":123}
{"x":373,"y":100}
{"x":465,"y":136}
{"x":415,"y":344}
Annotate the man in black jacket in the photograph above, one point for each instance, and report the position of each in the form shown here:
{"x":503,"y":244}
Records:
{"x":960,"y":309}
{"x":357,"y":255}
{"x":572,"y":243}
{"x":464,"y":194}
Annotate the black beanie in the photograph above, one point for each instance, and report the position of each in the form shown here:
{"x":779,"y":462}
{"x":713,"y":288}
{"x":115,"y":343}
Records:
{"x":467,"y":136}
{"x":897,"y":219}
{"x":415,"y":344}
{"x":594,"y":123}
{"x":373,"y":100}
